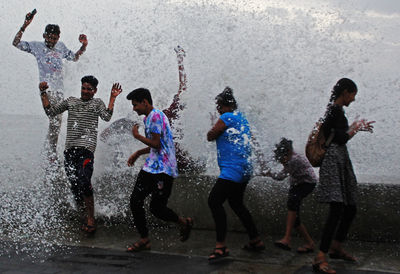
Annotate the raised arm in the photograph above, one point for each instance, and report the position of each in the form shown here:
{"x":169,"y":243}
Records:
{"x":28,"y":19}
{"x":83,"y":40}
{"x":51,"y":110}
{"x":172,"y":111}
{"x":180,"y":54}
{"x":106,"y":113}
{"x":115,"y":91}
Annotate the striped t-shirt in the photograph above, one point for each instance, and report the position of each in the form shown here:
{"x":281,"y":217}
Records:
{"x":83,"y":120}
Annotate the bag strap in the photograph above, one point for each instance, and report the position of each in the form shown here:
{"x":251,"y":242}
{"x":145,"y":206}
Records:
{"x":330,"y":138}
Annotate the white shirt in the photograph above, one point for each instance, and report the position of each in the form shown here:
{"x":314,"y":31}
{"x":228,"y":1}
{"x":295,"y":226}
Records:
{"x":49,"y":61}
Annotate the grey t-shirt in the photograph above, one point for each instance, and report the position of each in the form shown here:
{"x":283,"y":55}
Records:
{"x":49,"y":61}
{"x":299,"y":169}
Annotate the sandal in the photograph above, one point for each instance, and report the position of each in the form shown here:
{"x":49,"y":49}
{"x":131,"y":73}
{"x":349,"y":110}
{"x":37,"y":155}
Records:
{"x":185,"y":230}
{"x":216,"y":256}
{"x":254,"y":246}
{"x":322,"y":267}
{"x":282,"y":245}
{"x":341,"y":255}
{"x":139,"y":246}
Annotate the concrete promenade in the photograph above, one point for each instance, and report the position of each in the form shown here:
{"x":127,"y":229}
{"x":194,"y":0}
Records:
{"x":105,"y":253}
{"x":377,"y":219}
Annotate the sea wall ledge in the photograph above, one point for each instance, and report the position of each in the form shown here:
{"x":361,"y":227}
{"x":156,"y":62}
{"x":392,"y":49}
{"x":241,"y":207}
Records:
{"x":378,"y":209}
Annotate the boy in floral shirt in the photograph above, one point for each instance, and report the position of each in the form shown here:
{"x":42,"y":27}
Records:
{"x":158,"y":172}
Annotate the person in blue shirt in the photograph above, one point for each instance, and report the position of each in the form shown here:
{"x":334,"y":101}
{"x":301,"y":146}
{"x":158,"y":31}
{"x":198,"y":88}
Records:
{"x":233,"y":137}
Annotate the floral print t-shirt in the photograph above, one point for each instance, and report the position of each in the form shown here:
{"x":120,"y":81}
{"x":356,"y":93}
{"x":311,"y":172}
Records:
{"x":160,"y":160}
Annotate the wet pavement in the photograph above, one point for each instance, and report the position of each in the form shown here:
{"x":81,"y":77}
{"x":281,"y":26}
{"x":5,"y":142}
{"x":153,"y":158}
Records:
{"x":104,"y":252}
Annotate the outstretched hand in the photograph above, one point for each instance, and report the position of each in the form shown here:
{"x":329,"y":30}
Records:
{"x":43,"y":86}
{"x":365,"y":125}
{"x":116,"y":90}
{"x":132,"y":159}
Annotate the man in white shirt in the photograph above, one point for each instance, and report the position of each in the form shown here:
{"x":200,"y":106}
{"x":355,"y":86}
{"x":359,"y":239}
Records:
{"x":49,"y":55}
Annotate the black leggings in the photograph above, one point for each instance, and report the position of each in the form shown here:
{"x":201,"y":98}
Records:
{"x":338,"y":224}
{"x":234,"y":192}
{"x":159,"y":186}
{"x":296,"y":194}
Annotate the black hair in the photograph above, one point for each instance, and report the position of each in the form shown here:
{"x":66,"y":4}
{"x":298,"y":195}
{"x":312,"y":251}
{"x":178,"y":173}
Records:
{"x":91,"y":80}
{"x":52,"y":29}
{"x":342,"y":85}
{"x":139,"y":95}
{"x":226,"y":98}
{"x":283,"y":148}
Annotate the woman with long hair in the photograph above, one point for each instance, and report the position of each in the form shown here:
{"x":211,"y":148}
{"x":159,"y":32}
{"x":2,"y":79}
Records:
{"x":337,"y":181}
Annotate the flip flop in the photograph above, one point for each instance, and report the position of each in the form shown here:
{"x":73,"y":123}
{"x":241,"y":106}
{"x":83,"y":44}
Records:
{"x":254,"y":246}
{"x":342,"y":256}
{"x":322,"y":267}
{"x":305,"y":249}
{"x":282,"y":245}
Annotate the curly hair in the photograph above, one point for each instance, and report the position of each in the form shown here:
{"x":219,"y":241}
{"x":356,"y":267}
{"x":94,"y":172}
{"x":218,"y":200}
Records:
{"x":283,"y":148}
{"x":226,"y":98}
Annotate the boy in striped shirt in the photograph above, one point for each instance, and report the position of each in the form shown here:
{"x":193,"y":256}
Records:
{"x":81,"y":140}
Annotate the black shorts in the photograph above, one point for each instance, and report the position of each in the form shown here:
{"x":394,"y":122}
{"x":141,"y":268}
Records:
{"x":297,"y":193}
{"x":79,"y":169}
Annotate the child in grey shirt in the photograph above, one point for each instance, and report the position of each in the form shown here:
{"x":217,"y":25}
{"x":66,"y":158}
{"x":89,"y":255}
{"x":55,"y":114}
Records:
{"x":302,"y":180}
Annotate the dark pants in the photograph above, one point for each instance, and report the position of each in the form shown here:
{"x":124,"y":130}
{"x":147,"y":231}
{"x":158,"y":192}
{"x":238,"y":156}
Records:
{"x":338,"y":224}
{"x":79,"y":169}
{"x":233,"y":192}
{"x":159,"y":186}
{"x":296,"y":194}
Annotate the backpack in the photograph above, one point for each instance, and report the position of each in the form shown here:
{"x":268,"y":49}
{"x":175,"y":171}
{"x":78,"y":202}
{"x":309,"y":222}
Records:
{"x":317,"y":144}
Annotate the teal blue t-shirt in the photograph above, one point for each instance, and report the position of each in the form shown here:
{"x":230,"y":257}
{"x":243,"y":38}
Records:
{"x":234,"y":148}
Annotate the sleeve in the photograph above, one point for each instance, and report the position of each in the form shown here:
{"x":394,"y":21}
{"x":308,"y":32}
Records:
{"x":156,"y":124}
{"x":56,"y":109}
{"x":104,"y":113}
{"x":296,"y":166}
{"x":67,"y":53}
{"x":341,"y":136}
{"x":227,"y":118}
{"x":336,"y":120}
{"x":24,"y":46}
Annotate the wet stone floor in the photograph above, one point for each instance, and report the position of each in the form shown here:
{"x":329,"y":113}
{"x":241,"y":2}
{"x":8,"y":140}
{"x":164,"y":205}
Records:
{"x":104,"y":252}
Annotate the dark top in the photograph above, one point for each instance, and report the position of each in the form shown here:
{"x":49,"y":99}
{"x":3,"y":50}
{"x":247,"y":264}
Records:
{"x":335,"y":119}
